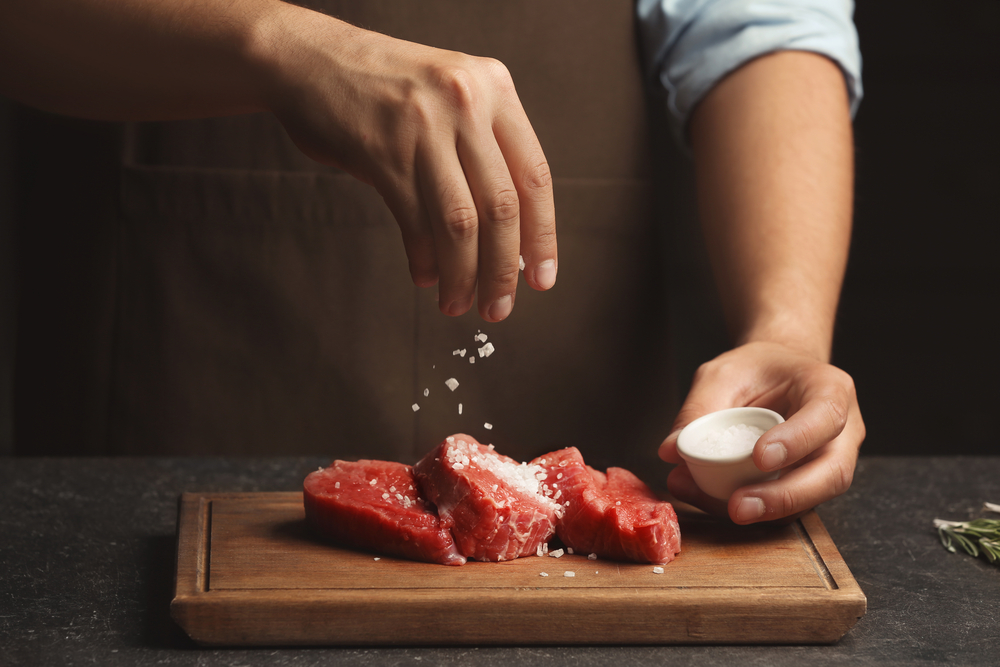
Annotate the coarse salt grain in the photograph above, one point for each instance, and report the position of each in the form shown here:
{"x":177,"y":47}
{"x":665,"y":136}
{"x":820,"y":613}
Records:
{"x":543,"y":574}
{"x":337,"y":485}
{"x":556,"y":554}
{"x":736,"y":440}
{"x":520,"y":262}
{"x":487,"y":350}
{"x":472,"y":360}
{"x":377,"y":558}
{"x":427,"y":392}
{"x":569,"y":550}
{"x":451,"y":383}
{"x":373,"y":481}
{"x":488,"y":426}
{"x":658,"y":570}
{"x":459,"y":408}
{"x":591,"y":556}
{"x":385,"y":496}
{"x":481,"y":337}
{"x":569,"y":573}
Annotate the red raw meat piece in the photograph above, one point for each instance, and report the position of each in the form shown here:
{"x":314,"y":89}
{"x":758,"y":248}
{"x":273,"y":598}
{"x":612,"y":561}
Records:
{"x":387,"y":516}
{"x":615,"y":515}
{"x":490,"y":502}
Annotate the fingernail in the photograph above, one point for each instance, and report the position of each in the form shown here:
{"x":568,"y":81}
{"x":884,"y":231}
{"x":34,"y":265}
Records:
{"x":501,"y":308}
{"x":545,"y":274}
{"x":774,"y":455}
{"x":749,"y":509}
{"x":456,"y":308}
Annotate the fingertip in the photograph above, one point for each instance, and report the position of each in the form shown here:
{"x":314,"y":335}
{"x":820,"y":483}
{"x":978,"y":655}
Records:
{"x":499,"y":310}
{"x":544,"y":275}
{"x":746,"y":509}
{"x":668,"y":449}
{"x":424,"y":280}
{"x":455,"y":308}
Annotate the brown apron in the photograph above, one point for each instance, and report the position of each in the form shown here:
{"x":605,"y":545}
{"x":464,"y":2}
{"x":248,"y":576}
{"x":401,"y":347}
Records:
{"x":264,"y":304}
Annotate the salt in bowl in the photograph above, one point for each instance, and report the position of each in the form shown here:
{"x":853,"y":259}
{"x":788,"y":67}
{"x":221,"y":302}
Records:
{"x":716,"y":475}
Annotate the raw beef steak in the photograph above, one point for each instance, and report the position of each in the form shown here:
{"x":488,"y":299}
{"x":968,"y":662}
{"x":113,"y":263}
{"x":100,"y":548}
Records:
{"x":375,"y":505}
{"x":615,"y":515}
{"x":491,"y":503}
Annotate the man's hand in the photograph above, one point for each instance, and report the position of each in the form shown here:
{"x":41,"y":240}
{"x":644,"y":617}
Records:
{"x":442,"y":136}
{"x":774,"y":164}
{"x":815,"y":449}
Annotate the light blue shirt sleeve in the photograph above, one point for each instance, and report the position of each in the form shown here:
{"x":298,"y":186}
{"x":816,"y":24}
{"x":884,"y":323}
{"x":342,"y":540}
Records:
{"x":690,"y":45}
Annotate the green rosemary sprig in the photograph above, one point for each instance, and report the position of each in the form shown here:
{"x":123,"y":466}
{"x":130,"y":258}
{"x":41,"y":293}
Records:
{"x":975,"y":537}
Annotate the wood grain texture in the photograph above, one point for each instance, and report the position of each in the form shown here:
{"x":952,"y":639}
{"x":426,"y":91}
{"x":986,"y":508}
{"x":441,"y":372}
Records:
{"x":249,"y":572}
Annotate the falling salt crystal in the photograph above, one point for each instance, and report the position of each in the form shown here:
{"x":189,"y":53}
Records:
{"x":487,"y":350}
{"x":481,"y":337}
{"x":427,"y":392}
{"x":520,"y":262}
{"x":472,"y":359}
{"x":459,"y":408}
{"x":454,"y":353}
{"x":657,"y":570}
{"x":451,"y":383}
{"x":488,"y":426}
{"x":543,"y":574}
{"x":569,"y":573}
{"x":591,"y":556}
{"x":415,"y":407}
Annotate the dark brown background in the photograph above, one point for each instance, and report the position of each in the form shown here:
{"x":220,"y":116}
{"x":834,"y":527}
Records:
{"x":914,"y":328}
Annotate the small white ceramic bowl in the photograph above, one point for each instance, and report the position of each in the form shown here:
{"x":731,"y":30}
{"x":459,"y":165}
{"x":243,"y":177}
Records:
{"x":720,"y":476}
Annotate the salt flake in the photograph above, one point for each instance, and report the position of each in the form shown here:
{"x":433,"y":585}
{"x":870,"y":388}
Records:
{"x":569,"y":573}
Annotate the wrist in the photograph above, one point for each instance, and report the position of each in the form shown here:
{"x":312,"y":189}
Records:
{"x":790,"y":331}
{"x":280,"y":51}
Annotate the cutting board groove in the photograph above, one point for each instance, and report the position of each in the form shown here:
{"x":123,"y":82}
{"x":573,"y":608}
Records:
{"x":249,"y":572}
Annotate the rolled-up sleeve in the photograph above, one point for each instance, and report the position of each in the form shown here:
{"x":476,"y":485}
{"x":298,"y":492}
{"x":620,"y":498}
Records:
{"x":689,"y":45}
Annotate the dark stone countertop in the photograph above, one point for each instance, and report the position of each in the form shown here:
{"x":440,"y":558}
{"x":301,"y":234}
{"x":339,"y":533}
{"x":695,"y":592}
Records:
{"x":87,"y":557}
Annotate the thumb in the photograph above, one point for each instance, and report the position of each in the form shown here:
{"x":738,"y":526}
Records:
{"x":708,"y":393}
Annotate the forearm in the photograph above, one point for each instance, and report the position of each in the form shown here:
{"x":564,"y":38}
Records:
{"x":774,"y":163}
{"x":138,"y":60}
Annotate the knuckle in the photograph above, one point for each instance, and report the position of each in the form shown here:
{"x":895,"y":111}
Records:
{"x":461,"y":222}
{"x":787,"y":503}
{"x":502,"y":280}
{"x":537,"y":179}
{"x":497,"y":72}
{"x":503,"y":207}
{"x":836,"y":413}
{"x":841,"y":476}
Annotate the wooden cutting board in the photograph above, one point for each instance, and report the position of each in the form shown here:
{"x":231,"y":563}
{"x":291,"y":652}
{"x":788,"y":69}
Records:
{"x":249,"y":572}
